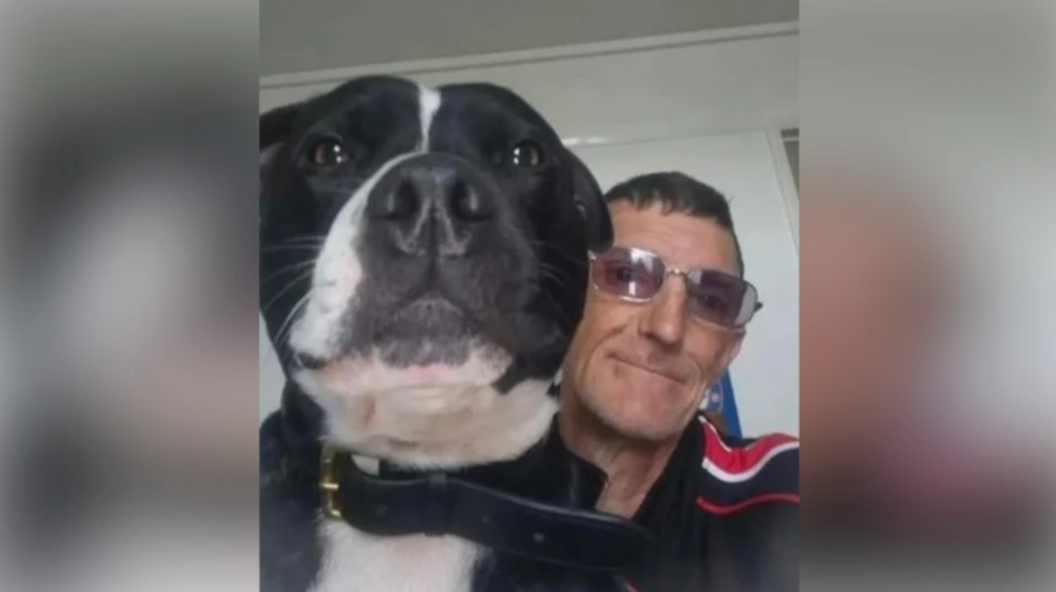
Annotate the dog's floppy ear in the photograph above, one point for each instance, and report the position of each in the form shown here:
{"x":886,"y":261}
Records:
{"x":591,"y":205}
{"x":275,"y":127}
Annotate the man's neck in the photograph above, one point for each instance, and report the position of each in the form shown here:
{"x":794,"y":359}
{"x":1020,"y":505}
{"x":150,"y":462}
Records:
{"x":632,"y":466}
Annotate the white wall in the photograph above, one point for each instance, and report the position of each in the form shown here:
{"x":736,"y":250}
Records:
{"x":299,"y":36}
{"x":703,"y":104}
{"x":673,"y":86}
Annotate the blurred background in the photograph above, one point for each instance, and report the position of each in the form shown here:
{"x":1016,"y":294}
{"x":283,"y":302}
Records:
{"x":129,"y":451}
{"x":709,"y":88}
{"x":928,"y":334}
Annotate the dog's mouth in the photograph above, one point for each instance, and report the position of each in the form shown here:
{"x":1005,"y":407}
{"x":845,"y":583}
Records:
{"x":425,"y":315}
{"x":424,"y":330}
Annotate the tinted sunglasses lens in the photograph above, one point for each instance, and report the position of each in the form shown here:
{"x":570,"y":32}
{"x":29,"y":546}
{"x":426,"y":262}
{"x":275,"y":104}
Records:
{"x":722,"y":298}
{"x":622,"y":273}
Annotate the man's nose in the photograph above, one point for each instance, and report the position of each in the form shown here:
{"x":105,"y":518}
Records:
{"x":664,"y":318}
{"x":431,"y":207}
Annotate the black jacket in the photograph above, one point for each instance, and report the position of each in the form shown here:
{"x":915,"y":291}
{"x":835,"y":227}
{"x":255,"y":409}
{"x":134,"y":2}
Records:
{"x":724,"y":515}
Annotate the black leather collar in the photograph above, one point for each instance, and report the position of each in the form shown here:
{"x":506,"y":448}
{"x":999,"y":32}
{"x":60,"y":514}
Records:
{"x":478,"y":505}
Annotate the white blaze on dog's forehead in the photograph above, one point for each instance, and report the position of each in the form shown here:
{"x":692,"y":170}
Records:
{"x":428,"y":105}
{"x":336,"y":276}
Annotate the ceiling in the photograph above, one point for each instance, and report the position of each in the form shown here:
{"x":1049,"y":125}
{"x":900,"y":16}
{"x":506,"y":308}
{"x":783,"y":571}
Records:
{"x":305,"y":35}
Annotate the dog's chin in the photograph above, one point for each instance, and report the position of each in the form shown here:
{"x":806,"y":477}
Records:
{"x":443,"y":413}
{"x":459,"y":427}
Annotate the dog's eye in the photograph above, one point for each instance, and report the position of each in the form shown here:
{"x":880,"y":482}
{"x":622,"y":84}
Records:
{"x":527,"y":153}
{"x":328,"y":153}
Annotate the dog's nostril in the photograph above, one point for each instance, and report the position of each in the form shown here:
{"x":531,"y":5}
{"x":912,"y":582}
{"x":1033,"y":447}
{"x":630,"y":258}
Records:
{"x":400,"y":204}
{"x":467,"y":204}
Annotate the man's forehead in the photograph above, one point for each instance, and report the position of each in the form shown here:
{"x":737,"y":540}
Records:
{"x":683,"y":240}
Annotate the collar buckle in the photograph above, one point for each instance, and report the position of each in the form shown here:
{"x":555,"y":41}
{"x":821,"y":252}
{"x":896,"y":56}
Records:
{"x":330,"y":482}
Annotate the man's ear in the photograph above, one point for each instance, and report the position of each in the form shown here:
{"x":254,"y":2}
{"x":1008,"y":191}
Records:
{"x":275,"y":127}
{"x":591,"y":205}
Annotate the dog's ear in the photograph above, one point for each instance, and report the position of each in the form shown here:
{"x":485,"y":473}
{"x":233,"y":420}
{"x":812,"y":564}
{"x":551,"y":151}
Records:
{"x":275,"y":127}
{"x":591,"y":205}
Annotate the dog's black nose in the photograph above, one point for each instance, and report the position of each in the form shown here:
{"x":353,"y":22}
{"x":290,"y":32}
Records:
{"x":430,"y":205}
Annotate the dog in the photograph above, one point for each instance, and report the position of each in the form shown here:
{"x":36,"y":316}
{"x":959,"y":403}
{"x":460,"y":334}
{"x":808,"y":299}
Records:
{"x":423,"y":261}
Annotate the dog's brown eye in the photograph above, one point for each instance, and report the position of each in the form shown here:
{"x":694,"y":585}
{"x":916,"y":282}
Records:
{"x":527,"y":153}
{"x":328,"y":153}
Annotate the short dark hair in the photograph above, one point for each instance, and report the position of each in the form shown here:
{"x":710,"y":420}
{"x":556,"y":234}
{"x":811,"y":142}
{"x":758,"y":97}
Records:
{"x":678,"y":192}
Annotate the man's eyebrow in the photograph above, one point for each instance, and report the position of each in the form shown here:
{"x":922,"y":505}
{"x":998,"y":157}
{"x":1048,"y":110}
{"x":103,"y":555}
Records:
{"x":730,"y":269}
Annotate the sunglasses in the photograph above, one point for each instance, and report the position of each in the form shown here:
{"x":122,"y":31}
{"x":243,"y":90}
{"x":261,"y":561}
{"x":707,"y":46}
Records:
{"x":636,"y":275}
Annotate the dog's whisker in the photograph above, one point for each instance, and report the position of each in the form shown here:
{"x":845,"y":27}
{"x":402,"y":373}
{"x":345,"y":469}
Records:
{"x":288,"y":268}
{"x":279,"y":249}
{"x":285,"y":289}
{"x":557,"y":274}
{"x":304,"y":241}
{"x":287,"y":325}
{"x":557,"y":308}
{"x":348,"y":186}
{"x":548,"y":274}
{"x":305,"y":238}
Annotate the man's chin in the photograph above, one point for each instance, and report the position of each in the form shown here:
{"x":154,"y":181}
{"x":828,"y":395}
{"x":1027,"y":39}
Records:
{"x":651,"y":434}
{"x":640,"y":424}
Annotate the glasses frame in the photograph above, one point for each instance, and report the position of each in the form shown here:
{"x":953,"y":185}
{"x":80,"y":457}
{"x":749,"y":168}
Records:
{"x":673,"y":270}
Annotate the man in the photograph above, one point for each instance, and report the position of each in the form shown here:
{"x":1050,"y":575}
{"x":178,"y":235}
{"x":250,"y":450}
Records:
{"x":666,"y":314}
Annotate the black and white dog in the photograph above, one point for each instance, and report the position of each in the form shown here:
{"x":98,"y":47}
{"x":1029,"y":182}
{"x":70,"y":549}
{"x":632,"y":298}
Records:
{"x":423,"y":267}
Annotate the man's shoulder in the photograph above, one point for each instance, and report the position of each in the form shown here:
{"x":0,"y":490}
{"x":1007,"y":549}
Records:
{"x":738,"y":473}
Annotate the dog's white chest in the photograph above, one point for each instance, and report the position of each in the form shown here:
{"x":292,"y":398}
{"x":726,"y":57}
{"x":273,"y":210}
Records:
{"x":354,"y":561}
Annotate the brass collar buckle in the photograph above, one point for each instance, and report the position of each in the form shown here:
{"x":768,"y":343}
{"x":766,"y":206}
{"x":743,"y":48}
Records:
{"x":329,"y":482}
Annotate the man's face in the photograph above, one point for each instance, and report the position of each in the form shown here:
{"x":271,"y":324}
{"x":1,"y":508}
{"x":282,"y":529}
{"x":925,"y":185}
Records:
{"x":643,"y":368}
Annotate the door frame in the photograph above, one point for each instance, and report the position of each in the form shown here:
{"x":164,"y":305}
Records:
{"x":787,"y":181}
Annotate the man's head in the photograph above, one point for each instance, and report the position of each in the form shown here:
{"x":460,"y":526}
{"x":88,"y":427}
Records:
{"x":665,"y":311}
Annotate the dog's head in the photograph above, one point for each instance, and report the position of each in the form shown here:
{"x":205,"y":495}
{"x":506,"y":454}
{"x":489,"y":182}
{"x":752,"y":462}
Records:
{"x":424,"y":265}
